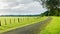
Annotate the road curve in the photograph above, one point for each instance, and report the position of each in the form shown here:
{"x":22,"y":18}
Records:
{"x":30,"y":29}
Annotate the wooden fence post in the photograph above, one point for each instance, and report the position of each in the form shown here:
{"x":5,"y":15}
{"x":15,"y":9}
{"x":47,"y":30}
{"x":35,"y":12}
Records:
{"x":18,"y":20}
{"x":10,"y":20}
{"x":0,"y":22}
{"x":5,"y":22}
{"x":14,"y":20}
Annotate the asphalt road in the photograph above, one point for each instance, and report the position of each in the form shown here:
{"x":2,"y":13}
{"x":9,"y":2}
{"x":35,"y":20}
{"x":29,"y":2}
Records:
{"x":30,"y":29}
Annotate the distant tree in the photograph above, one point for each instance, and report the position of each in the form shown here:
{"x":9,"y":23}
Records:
{"x":44,"y":14}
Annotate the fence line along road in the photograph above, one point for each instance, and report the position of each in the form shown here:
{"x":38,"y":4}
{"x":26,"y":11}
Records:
{"x":30,"y":29}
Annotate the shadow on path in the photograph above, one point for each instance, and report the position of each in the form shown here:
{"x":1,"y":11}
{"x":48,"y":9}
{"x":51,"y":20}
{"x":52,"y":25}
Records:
{"x":30,"y":29}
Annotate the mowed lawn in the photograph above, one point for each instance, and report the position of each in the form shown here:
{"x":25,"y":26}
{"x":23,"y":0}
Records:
{"x":53,"y":27}
{"x":9,"y":23}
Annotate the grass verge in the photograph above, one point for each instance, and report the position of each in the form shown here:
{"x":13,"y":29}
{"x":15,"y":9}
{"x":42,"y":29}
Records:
{"x":53,"y":27}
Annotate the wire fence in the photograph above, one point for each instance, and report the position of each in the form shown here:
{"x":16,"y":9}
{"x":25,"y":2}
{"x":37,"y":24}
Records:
{"x":6,"y":21}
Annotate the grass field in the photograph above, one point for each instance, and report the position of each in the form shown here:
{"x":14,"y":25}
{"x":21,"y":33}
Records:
{"x":9,"y":23}
{"x":53,"y":27}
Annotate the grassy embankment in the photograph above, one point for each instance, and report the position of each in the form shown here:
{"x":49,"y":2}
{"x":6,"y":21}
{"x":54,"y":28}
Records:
{"x":53,"y":27}
{"x":23,"y":21}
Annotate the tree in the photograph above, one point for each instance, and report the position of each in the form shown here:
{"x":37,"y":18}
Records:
{"x":52,"y":6}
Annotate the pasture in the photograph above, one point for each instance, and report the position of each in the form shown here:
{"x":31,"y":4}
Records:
{"x":9,"y":23}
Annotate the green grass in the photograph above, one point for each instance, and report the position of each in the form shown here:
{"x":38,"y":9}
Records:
{"x":24,"y":21}
{"x":53,"y":27}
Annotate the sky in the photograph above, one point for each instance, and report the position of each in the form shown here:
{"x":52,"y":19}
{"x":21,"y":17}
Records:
{"x":20,"y":7}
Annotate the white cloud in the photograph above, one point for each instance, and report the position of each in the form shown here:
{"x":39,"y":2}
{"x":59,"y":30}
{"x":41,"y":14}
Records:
{"x":20,"y":7}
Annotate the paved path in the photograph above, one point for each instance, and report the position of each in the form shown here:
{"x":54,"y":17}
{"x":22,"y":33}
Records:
{"x":30,"y":29}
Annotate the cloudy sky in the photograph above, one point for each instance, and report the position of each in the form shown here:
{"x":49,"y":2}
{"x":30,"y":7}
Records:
{"x":21,"y":7}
